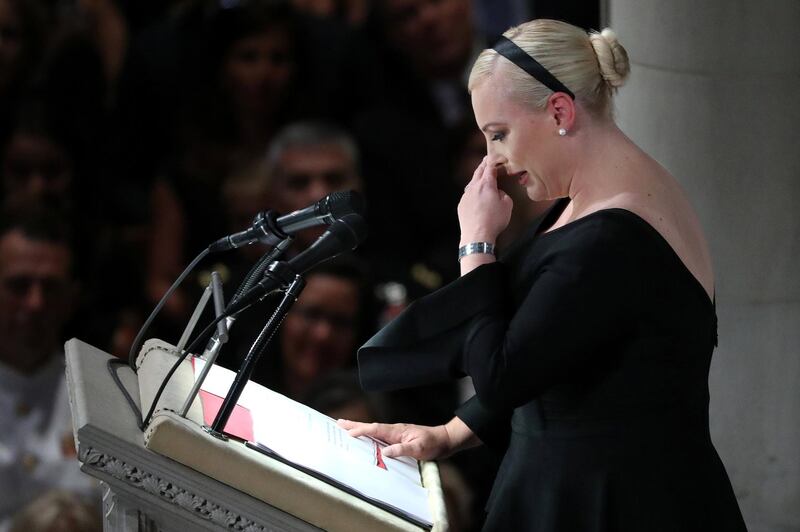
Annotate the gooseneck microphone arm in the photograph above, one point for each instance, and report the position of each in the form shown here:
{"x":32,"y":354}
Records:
{"x":342,"y":235}
{"x":268,"y":228}
{"x":255,"y":352}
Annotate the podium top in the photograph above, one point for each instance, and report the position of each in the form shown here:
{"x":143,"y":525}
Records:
{"x":101,"y":416}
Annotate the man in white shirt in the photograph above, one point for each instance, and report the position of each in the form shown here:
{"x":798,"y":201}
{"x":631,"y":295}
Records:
{"x":37,"y":450}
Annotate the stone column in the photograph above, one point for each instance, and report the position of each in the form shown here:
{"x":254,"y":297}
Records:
{"x":714,"y":96}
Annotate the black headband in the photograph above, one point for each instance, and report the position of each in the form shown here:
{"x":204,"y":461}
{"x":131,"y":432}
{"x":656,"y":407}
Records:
{"x":508,"y":49}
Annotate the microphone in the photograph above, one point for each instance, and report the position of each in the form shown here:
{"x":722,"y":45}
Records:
{"x":343,"y":234}
{"x":270,"y":229}
{"x":327,"y":210}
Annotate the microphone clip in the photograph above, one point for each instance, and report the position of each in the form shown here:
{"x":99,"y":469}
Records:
{"x":267,"y":223}
{"x":264,"y":229}
{"x":278,"y":276}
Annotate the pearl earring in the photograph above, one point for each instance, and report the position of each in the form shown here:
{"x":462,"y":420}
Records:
{"x":562,"y":131}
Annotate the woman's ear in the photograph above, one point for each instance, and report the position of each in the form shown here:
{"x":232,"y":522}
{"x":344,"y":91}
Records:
{"x":561,"y":108}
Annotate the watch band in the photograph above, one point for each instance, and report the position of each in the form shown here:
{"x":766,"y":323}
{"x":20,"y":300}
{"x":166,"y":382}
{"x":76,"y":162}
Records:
{"x":475,"y":247}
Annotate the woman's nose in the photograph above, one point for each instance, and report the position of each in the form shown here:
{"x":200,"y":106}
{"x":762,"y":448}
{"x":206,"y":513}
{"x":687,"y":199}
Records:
{"x":495,"y":159}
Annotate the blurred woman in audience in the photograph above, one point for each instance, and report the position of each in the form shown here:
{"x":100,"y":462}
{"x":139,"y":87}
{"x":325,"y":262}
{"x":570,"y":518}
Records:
{"x":242,"y":94}
{"x":246,"y":83}
{"x":322,"y":330}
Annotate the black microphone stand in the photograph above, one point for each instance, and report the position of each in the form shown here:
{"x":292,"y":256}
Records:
{"x":291,"y":293}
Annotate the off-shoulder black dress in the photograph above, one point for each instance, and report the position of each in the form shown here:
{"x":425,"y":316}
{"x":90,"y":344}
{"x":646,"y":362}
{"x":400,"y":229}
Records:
{"x":589,"y":347}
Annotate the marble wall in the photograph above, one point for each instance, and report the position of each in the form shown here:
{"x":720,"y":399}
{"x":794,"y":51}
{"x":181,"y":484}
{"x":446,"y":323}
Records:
{"x":714,"y":96}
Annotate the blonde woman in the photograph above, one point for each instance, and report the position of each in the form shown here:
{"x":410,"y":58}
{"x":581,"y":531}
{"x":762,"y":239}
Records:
{"x":589,"y":343}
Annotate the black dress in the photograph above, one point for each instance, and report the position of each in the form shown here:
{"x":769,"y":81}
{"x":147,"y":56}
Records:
{"x":589,"y":348}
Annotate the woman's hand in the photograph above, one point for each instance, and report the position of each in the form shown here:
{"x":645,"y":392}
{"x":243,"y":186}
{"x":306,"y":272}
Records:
{"x":418,"y":441}
{"x":484,"y":210}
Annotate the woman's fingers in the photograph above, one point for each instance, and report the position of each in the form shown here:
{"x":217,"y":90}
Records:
{"x":490,"y":177}
{"x":476,"y":175}
{"x":485,"y":175}
{"x":347,"y":424}
{"x":356,"y":428}
{"x":399,"y":449}
{"x":379,"y":431}
{"x":418,"y":441}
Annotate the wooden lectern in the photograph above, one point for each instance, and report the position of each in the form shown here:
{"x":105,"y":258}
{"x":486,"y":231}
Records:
{"x":174,"y":477}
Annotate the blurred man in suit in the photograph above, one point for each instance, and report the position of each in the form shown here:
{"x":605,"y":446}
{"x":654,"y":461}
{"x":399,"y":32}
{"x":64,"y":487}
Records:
{"x":37,"y":292}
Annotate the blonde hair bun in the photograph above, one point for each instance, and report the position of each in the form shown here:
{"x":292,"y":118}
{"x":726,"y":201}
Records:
{"x":611,"y":56}
{"x":590,"y":65}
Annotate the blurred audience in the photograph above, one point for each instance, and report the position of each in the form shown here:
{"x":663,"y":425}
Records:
{"x":58,"y":511}
{"x":244,"y":195}
{"x":306,"y":162}
{"x":240,"y":97}
{"x":339,"y":396}
{"x":434,"y":38}
{"x":353,"y":12}
{"x":321,"y":331}
{"x":153,"y":128}
{"x":22,"y":43}
{"x":405,"y":135}
{"x":43,"y":165}
{"x":36,"y":164}
{"x":37,"y":294}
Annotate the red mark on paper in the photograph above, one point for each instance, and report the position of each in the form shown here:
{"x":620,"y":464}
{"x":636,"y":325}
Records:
{"x":240,"y":424}
{"x":379,"y":457}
